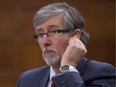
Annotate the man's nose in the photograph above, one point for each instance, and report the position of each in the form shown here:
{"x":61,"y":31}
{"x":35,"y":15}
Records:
{"x":46,"y":40}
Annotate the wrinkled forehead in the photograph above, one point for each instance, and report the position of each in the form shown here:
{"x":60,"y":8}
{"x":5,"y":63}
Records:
{"x":53,"y":21}
{"x":50,"y":16}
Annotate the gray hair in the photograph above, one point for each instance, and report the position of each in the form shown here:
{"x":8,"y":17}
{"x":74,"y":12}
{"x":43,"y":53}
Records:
{"x":72,"y":18}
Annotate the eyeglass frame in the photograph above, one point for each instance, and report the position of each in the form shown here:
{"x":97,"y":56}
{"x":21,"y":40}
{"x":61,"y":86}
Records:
{"x":40,"y":35}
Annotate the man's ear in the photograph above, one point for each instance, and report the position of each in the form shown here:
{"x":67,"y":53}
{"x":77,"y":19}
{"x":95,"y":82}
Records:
{"x":77,"y":33}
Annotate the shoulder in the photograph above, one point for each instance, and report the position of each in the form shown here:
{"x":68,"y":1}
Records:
{"x":95,"y":65}
{"x":87,"y":65}
{"x":28,"y":78}
{"x":35,"y":72}
{"x":95,"y":69}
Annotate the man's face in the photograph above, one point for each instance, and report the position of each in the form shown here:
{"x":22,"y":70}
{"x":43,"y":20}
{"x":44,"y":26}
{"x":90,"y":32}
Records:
{"x":53,"y":47}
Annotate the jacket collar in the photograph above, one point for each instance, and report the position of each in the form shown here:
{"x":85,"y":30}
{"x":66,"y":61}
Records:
{"x":81,"y":66}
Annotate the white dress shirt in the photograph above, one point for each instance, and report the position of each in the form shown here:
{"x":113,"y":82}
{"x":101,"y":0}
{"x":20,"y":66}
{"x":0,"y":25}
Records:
{"x":52,"y":73}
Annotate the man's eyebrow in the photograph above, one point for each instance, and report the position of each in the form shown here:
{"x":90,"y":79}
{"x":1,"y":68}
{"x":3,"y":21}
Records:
{"x":53,"y":26}
{"x":38,"y":29}
{"x":49,"y":27}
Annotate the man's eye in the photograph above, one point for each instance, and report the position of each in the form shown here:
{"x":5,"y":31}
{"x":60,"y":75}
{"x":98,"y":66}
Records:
{"x":40,"y":34}
{"x":54,"y":31}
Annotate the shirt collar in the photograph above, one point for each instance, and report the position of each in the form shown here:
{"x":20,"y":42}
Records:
{"x":52,"y":73}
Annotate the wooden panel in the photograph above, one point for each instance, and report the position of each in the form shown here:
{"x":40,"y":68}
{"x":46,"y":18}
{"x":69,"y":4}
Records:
{"x":19,"y":52}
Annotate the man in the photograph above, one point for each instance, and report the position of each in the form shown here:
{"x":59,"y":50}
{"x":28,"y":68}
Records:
{"x":60,"y":32}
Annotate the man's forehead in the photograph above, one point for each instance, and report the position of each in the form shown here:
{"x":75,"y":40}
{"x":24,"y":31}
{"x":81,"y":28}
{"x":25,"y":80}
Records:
{"x":55,"y":21}
{"x":49,"y":27}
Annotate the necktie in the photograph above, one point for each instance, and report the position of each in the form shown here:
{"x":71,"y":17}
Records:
{"x":53,"y":85}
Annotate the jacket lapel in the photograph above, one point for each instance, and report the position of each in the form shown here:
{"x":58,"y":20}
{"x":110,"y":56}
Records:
{"x":43,"y":80}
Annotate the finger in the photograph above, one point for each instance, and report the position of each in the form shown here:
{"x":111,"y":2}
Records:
{"x":80,"y":44}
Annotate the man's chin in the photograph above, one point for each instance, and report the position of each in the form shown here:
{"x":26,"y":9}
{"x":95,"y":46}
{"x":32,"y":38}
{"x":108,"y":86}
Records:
{"x":52,"y":61}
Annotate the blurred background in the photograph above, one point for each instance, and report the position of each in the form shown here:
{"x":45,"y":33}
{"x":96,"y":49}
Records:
{"x":19,"y":52}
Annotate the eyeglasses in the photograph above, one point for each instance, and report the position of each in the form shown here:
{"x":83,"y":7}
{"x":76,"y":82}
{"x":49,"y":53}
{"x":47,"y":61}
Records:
{"x":52,"y":33}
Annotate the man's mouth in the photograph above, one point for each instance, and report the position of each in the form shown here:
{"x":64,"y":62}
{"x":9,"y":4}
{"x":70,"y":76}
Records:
{"x":47,"y":52}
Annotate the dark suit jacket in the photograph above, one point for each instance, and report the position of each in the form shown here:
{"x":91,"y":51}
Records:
{"x":91,"y":74}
